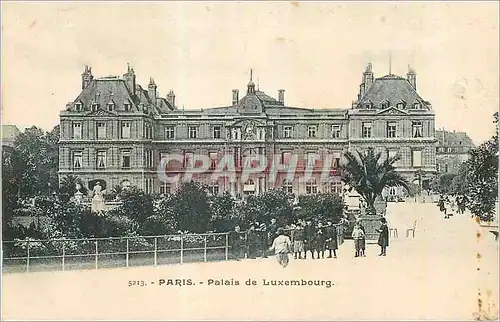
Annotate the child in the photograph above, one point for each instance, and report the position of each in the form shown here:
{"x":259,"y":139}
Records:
{"x":282,"y":246}
{"x":298,"y":242}
{"x":357,"y":235}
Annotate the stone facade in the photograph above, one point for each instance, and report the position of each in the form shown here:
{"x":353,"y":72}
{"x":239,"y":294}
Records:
{"x":452,"y":150}
{"x":117,"y":132}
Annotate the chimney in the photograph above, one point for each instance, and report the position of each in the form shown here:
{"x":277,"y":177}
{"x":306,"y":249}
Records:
{"x":171,"y":98}
{"x":281,"y":96}
{"x":129,"y":78}
{"x":235,"y":96}
{"x":87,"y":76}
{"x":412,"y":77}
{"x":152,"y":90}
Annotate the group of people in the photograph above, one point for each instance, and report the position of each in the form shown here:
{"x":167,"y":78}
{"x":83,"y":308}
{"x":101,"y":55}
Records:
{"x":298,"y":239}
{"x":451,"y":205}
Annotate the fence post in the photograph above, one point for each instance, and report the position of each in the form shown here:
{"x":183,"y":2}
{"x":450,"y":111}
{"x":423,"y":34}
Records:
{"x":96,"y":255}
{"x":182,"y":249}
{"x":28,"y":258}
{"x":127,"y":254}
{"x":63,"y":253}
{"x":156,"y":251}
{"x":227,"y":246}
{"x":205,"y":250}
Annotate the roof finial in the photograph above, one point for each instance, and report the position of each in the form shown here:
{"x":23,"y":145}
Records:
{"x":258,"y":84}
{"x":251,"y":74}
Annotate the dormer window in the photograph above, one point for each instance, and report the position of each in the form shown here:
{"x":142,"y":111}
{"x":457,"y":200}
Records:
{"x":95,"y":106}
{"x":127,"y":106}
{"x":416,"y":105}
{"x":400,"y":105}
{"x":111,"y":106}
{"x":78,"y":107}
{"x":385,"y":104}
{"x":368,"y":105}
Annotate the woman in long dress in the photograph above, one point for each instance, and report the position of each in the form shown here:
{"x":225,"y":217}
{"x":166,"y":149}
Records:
{"x":383,"y":237}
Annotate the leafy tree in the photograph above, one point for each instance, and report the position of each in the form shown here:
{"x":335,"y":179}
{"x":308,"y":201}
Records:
{"x":191,"y":207}
{"x":276,"y":204}
{"x":222,"y":209}
{"x":324,"y":206}
{"x":136,"y":204}
{"x":481,"y":177}
{"x":368,"y":174}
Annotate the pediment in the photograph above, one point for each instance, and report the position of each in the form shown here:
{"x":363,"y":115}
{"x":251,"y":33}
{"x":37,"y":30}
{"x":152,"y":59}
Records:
{"x":101,"y":112}
{"x":392,"y":111}
{"x":247,"y":122}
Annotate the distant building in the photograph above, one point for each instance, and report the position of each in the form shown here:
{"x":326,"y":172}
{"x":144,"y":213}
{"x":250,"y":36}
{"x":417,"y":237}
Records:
{"x":452,"y":150}
{"x":9,"y":136}
{"x":117,"y":132}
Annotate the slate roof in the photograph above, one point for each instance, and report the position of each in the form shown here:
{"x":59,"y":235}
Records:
{"x":393,"y":89}
{"x":447,"y":138}
{"x":113,"y":89}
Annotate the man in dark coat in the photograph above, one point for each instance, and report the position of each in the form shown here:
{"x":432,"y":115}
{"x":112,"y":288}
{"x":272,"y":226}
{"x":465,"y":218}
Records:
{"x":320,"y":240}
{"x":252,"y":242}
{"x":331,"y":239}
{"x":263,"y":239}
{"x":236,"y":241}
{"x":383,"y":237}
{"x":272,"y":230}
{"x":309,"y":232}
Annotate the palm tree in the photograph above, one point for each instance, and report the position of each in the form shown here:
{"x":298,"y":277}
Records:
{"x":368,"y":174}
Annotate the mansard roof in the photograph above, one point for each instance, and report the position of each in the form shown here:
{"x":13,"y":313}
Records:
{"x":104,"y":90}
{"x":391,"y":88}
{"x":448,"y":138}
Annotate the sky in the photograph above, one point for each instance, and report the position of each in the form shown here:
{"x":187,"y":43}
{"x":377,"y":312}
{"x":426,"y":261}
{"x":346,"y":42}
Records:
{"x":315,"y":51}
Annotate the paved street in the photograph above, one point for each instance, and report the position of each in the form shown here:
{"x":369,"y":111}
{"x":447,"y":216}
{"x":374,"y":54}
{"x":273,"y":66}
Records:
{"x":440,"y":274}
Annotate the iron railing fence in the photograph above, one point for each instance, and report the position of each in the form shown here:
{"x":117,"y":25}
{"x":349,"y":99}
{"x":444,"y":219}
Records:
{"x":31,"y":255}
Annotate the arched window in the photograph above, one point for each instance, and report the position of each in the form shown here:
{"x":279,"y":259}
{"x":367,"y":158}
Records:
{"x":311,"y":187}
{"x":287,"y":186}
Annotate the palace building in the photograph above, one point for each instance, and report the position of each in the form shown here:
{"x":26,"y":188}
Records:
{"x":117,"y":132}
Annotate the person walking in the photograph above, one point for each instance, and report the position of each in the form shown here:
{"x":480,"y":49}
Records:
{"x":383,"y":237}
{"x":357,"y":235}
{"x":282,"y":246}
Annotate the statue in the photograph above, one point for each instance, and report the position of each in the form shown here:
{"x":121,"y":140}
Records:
{"x":98,"y":200}
{"x":78,"y":194}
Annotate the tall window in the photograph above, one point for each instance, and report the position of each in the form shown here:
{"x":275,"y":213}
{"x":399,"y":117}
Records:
{"x":78,"y":106}
{"x":126,"y":130}
{"x":188,"y":159}
{"x":101,"y":159}
{"x":125,"y":159}
{"x":311,"y":187}
{"x":400,"y":105}
{"x":385,"y":104}
{"x":335,"y":131}
{"x":287,"y":131}
{"x":213,"y":188}
{"x":213,"y":160}
{"x":148,"y":158}
{"x":169,"y":132}
{"x":77,"y":130}
{"x":287,"y":186}
{"x":312,"y":131}
{"x":94,"y":106}
{"x":101,"y":130}
{"x":310,"y":159}
{"x":236,"y":133}
{"x":391,"y":129}
{"x":416,"y":105}
{"x":111,"y":106}
{"x":77,"y":159}
{"x":417,"y":129}
{"x":165,"y":188}
{"x":193,"y":132}
{"x":217,"y":132}
{"x":367,"y":129}
{"x":285,"y":158}
{"x":417,"y":158}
